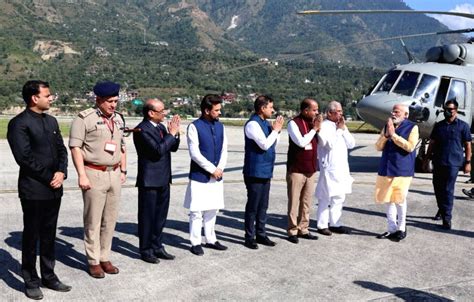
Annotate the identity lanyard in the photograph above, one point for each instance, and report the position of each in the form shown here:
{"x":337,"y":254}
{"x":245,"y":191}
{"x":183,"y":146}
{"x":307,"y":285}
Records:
{"x":305,"y":128}
{"x":110,"y":124}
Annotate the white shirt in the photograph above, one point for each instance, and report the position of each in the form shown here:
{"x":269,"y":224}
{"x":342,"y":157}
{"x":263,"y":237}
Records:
{"x":334,"y":176}
{"x":295,"y":135}
{"x":255,"y":133}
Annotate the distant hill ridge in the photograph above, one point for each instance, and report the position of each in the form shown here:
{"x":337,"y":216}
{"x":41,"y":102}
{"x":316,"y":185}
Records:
{"x":175,"y":43}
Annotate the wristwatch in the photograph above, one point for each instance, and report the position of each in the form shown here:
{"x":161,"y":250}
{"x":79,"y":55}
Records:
{"x":467,"y":162}
{"x":124,"y":171}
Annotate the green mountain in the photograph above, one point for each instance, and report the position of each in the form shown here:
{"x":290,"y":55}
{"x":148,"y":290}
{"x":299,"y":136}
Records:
{"x":184,"y":47}
{"x":272,"y":27}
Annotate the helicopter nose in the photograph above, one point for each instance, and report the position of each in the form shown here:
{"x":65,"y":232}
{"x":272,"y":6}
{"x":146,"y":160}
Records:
{"x":374,"y":110}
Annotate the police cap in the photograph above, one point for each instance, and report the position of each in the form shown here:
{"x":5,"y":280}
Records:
{"x":104,"y":89}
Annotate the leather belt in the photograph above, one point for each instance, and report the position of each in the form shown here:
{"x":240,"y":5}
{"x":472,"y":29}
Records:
{"x":102,"y":167}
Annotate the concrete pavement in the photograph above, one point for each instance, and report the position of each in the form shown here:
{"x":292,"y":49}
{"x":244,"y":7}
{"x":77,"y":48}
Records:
{"x":429,"y":265}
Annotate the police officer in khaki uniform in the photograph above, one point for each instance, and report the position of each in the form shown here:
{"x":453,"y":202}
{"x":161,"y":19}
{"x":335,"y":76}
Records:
{"x":98,"y":152}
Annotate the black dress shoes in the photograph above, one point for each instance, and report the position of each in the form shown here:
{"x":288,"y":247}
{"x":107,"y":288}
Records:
{"x":163,"y":254}
{"x":293,"y":239}
{"x":265,"y":241}
{"x":197,"y":250}
{"x":150,"y":259}
{"x":384,"y":235}
{"x":325,"y":232}
{"x":400,"y":235}
{"x":339,"y":230}
{"x":446,"y":224}
{"x":308,"y":236}
{"x":251,"y":244}
{"x":34,"y":293}
{"x":437,"y":216}
{"x":468,"y":193}
{"x":396,"y":236}
{"x":216,"y":246}
{"x":57,"y":286}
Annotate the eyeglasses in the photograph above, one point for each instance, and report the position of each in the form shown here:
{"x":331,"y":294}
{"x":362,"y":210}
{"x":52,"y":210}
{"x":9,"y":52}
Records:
{"x":450,"y":109}
{"x":159,"y":111}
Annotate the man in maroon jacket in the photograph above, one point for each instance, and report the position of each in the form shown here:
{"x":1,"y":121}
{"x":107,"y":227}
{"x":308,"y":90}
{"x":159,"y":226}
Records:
{"x":301,"y":168}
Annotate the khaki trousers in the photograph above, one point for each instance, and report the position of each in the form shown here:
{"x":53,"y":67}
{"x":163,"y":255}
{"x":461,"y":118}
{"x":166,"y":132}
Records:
{"x":100,"y":213}
{"x":300,"y":195}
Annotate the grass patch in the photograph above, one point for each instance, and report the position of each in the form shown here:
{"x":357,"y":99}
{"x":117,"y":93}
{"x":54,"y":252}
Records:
{"x":63,"y":126}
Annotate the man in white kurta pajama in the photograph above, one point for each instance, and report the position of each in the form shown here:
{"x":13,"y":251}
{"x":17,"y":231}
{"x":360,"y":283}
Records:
{"x":335,"y":181}
{"x":207,"y":144}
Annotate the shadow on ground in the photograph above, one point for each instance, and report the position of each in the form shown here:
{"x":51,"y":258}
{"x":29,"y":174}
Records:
{"x":404,"y":293}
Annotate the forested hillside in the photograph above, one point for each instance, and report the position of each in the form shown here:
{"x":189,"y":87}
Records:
{"x":182,"y":48}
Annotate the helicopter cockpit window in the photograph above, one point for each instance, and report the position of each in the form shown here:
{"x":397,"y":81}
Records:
{"x":407,"y":83}
{"x":457,"y":91}
{"x":427,"y":88}
{"x":442,"y":92}
{"x":389,"y":80}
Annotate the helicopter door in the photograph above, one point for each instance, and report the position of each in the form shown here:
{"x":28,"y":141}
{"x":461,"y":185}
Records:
{"x":453,"y":89}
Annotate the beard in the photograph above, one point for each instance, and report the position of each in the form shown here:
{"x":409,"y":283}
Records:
{"x":397,"y":120}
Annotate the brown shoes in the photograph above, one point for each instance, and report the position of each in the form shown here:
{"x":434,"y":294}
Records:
{"x":325,"y":232}
{"x":99,"y":270}
{"x":96,"y":271}
{"x":109,"y":268}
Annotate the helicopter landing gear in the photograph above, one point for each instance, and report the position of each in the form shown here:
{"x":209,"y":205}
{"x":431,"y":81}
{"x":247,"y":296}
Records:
{"x":420,"y":167}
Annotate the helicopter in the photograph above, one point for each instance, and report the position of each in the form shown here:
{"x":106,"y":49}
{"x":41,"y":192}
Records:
{"x":447,"y":74}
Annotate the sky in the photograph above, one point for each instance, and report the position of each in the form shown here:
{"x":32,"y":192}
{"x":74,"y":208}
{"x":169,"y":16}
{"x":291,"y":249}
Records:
{"x":465,"y":6}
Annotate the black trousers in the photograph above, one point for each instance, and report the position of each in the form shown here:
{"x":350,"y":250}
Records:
{"x":258,"y":192}
{"x":444,"y":180}
{"x":153,"y":205}
{"x":40,"y":218}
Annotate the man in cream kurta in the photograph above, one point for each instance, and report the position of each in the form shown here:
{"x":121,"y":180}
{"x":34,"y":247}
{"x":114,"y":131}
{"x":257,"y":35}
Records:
{"x":335,"y":181}
{"x":207,"y":144}
{"x":397,"y":140}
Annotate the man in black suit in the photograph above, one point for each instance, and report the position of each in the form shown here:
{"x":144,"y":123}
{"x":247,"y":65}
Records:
{"x":154,"y":144}
{"x":38,"y":148}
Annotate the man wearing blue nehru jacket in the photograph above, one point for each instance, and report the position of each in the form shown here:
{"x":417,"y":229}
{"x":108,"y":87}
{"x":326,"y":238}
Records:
{"x":207,"y":144}
{"x":397,"y":141}
{"x":261,"y":138}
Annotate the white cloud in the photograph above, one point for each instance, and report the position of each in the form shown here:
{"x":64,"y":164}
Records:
{"x":457,"y":22}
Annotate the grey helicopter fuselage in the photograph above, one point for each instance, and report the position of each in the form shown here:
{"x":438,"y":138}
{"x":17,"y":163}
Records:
{"x":424,"y":87}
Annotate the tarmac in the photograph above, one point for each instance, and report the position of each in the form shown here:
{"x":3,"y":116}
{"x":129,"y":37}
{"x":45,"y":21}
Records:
{"x":431,"y":264}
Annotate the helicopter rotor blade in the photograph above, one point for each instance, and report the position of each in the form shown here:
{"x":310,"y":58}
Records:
{"x":290,"y":57}
{"x":334,"y":12}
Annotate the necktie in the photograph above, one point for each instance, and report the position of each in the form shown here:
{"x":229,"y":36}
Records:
{"x":161,"y":130}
